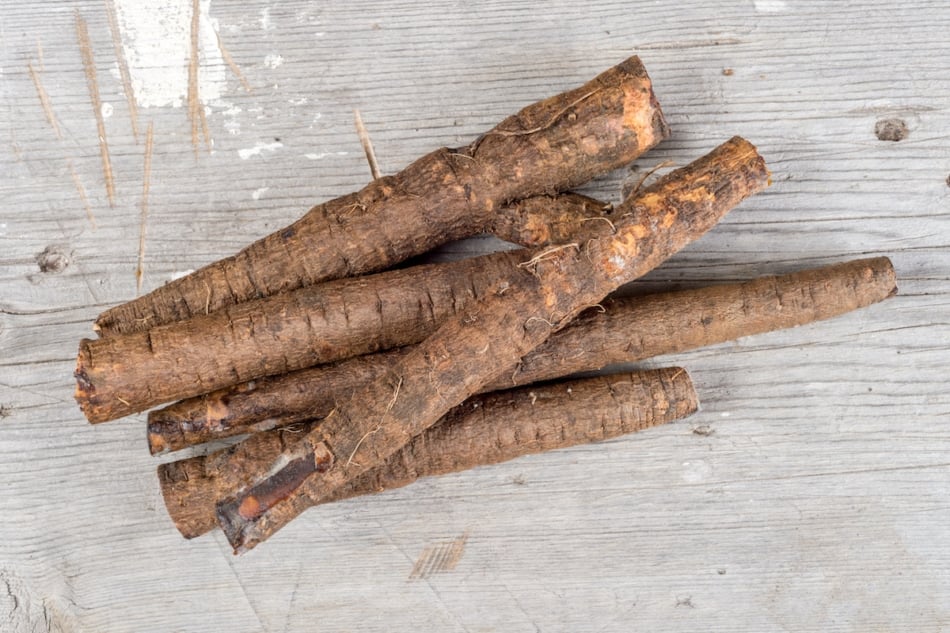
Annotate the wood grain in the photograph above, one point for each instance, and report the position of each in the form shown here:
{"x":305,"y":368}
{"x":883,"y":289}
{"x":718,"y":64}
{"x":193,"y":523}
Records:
{"x":817,"y":500}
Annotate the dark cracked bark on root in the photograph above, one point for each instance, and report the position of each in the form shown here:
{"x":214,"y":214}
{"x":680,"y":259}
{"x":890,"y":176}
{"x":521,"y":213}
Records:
{"x":550,"y":146}
{"x":470,"y":350}
{"x":618,"y":331}
{"x":485,"y":429}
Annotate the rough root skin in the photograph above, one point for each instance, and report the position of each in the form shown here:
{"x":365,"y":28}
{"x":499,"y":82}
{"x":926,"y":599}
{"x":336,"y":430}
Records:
{"x":552,"y":145}
{"x":127,"y":373}
{"x":618,"y":331}
{"x":486,"y":429}
{"x":466,"y":353}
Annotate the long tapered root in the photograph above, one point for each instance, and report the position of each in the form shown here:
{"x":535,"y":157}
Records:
{"x":468,"y":352}
{"x":552,"y":145}
{"x":486,"y":429}
{"x":621,"y":330}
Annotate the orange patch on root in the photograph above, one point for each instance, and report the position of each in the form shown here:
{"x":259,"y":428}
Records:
{"x":215,"y":412}
{"x":250,"y":508}
{"x":638,"y":112}
{"x":623,"y":249}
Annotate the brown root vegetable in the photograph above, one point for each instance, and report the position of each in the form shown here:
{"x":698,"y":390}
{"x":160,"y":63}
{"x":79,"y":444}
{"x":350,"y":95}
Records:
{"x":471,"y":349}
{"x":126,"y":373}
{"x":486,"y":429}
{"x":624,"y":330}
{"x":552,"y":145}
{"x":545,"y":220}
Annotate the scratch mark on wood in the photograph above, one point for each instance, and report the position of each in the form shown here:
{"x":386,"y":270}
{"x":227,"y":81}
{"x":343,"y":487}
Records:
{"x":205,"y":133}
{"x":658,"y":46}
{"x":43,"y":95}
{"x":17,"y":150}
{"x":51,"y":118}
{"x":146,"y":181}
{"x":124,"y":73}
{"x":892,"y":109}
{"x":226,"y":55}
{"x":195,"y":111}
{"x":293,"y":597}
{"x":240,"y":583}
{"x":89,"y":65}
{"x":439,"y":558}
{"x":367,"y":144}
{"x":82,"y":192}
{"x":39,"y":55}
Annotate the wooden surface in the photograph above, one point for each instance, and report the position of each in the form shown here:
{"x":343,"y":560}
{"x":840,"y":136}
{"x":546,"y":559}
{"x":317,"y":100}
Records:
{"x":811,"y":491}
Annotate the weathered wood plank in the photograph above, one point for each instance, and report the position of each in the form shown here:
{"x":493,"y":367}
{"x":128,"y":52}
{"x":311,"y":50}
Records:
{"x":810,"y":492}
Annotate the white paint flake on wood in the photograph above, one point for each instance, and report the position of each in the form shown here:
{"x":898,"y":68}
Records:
{"x":156,"y":39}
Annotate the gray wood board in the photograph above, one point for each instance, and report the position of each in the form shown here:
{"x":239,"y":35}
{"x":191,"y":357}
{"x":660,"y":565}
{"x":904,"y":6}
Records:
{"x":817,"y":498}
